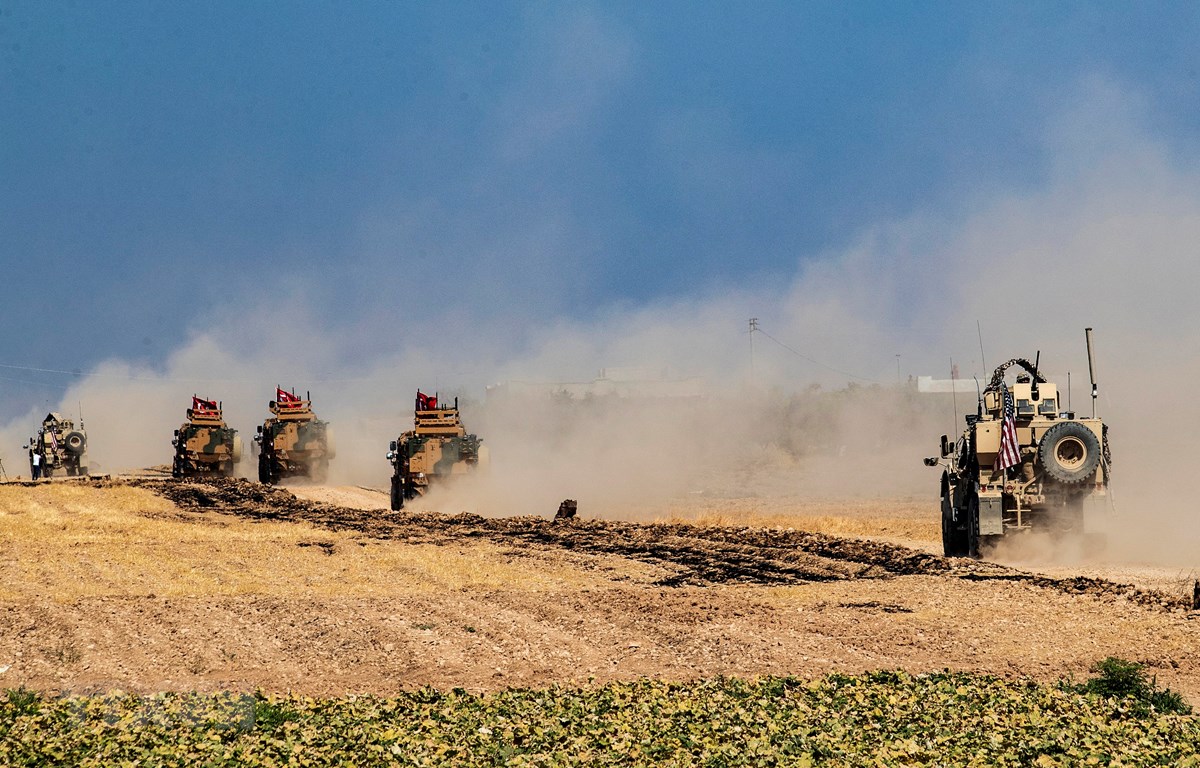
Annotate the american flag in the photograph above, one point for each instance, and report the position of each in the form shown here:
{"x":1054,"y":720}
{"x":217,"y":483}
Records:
{"x":1010,"y":454}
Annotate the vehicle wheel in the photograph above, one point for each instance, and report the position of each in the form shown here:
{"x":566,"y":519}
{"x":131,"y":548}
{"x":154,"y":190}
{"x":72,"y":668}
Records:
{"x":397,"y":494}
{"x":46,"y":473}
{"x":1069,"y":452}
{"x":264,"y":470}
{"x":954,"y":536}
{"x":236,"y":449}
{"x":972,"y":521}
{"x":75,"y":442}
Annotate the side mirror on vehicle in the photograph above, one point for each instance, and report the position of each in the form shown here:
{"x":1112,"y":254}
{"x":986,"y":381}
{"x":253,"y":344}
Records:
{"x":260,"y":429}
{"x":946,"y":447}
{"x":931,"y":461}
{"x":392,"y":446}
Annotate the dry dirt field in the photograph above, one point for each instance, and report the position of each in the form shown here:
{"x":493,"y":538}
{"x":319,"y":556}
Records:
{"x":148,"y":585}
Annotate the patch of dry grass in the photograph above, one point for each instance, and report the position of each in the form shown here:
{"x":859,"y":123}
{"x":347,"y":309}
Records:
{"x":67,"y":541}
{"x":906,"y":521}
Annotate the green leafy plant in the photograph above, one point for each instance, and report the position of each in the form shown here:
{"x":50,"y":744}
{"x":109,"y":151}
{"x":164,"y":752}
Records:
{"x":269,"y":714}
{"x":1121,"y":679}
{"x":22,"y":702}
{"x":881,"y":718}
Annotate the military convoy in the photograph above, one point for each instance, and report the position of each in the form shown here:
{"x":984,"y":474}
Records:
{"x":293,"y":442}
{"x":58,"y":447}
{"x":438,"y":447}
{"x":204,"y":445}
{"x":1024,"y":463}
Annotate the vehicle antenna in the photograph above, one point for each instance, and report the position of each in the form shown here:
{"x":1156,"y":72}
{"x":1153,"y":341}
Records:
{"x":954,"y":391}
{"x":979,"y":333}
{"x":1091,"y":368}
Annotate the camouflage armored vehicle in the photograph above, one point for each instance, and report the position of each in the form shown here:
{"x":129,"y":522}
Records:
{"x":61,"y":448}
{"x":437,"y":448}
{"x":204,"y":445}
{"x":1024,"y":463}
{"x":293,"y":442}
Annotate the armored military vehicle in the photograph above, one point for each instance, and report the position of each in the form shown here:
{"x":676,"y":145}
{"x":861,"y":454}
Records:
{"x":1024,"y":463}
{"x":438,"y":447}
{"x":293,"y":442}
{"x":60,"y":447}
{"x":204,"y":445}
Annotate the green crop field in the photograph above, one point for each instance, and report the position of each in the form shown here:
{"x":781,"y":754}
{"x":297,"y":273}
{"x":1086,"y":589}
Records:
{"x":884,"y":719}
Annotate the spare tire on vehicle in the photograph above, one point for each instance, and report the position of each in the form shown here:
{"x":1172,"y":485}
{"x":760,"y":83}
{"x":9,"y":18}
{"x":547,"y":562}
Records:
{"x":75,"y":442}
{"x":1069,"y":452}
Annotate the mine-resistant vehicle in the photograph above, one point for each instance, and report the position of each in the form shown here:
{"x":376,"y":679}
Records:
{"x":293,"y":442}
{"x":60,"y":446}
{"x":438,"y":447}
{"x":1024,"y":463}
{"x":204,"y":445}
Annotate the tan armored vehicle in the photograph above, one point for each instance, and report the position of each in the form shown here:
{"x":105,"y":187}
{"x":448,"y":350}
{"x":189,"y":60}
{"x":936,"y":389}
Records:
{"x":204,"y":445}
{"x":437,"y":448}
{"x":1024,"y":463}
{"x":60,"y":448}
{"x":293,"y":442}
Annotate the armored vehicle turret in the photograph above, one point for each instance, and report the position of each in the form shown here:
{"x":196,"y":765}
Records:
{"x":204,"y":445}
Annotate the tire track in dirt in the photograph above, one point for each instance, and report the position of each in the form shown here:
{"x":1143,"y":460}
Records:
{"x":697,"y":556}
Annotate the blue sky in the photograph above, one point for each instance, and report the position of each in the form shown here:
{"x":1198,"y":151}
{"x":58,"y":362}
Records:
{"x":396,"y":169}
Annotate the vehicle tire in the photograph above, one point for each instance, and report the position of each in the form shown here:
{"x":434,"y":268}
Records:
{"x":397,"y":494}
{"x":236,"y":452}
{"x":75,"y":442}
{"x":972,"y":521}
{"x":954,"y":537}
{"x":264,"y":470}
{"x":1069,"y":452}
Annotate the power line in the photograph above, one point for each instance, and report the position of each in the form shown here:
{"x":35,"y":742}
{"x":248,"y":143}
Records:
{"x":803,"y":356}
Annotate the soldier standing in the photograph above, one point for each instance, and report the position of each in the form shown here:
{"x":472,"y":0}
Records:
{"x":35,"y":463}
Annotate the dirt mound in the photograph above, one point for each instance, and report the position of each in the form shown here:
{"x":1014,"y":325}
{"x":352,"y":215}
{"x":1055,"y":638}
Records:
{"x":696,"y":555}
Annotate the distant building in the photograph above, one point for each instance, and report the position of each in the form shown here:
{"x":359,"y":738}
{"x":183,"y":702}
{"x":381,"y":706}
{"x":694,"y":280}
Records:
{"x":930,"y":385}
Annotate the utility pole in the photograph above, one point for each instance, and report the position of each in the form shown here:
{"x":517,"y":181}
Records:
{"x":753,"y":328}
{"x":897,"y":367}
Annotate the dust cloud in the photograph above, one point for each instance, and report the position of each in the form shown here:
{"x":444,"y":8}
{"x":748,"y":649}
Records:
{"x":823,"y":405}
